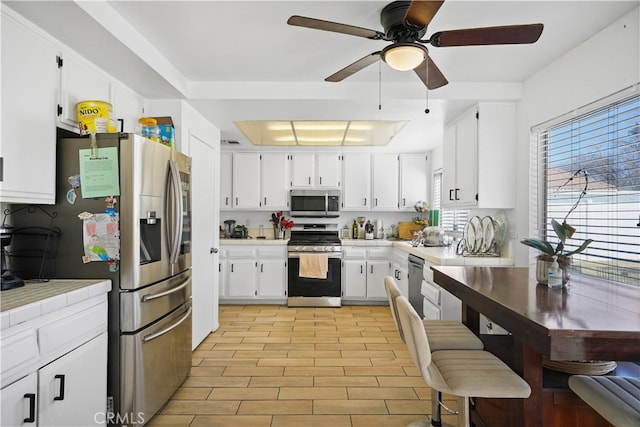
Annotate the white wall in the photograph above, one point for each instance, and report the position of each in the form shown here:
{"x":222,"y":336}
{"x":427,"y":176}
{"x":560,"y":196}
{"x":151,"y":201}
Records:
{"x":604,"y":64}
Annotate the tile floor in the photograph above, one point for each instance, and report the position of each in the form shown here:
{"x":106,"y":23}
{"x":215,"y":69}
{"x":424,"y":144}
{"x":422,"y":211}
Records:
{"x":273,"y":366}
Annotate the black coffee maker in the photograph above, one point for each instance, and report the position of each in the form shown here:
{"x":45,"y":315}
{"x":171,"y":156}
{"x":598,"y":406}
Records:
{"x":9,"y":281}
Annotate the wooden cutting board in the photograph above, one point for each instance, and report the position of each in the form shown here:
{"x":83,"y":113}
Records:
{"x":406,"y":229}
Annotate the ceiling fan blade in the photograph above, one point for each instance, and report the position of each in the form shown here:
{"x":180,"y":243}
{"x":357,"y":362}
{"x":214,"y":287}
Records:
{"x":354,"y":68}
{"x":421,"y":12}
{"x":509,"y":34}
{"x":436,"y":78}
{"x":335,"y":27}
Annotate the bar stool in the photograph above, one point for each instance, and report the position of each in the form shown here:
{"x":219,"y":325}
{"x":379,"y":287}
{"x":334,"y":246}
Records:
{"x":617,"y":399}
{"x":462,"y":373}
{"x":443,"y":335}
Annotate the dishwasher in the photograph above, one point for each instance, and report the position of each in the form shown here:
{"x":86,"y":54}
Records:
{"x":416,"y":265}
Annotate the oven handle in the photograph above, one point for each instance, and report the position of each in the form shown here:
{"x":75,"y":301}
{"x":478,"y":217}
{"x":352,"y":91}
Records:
{"x":166,"y":330}
{"x":328,"y":254}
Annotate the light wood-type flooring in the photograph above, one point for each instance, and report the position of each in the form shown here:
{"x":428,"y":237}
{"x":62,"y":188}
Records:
{"x":273,"y":366}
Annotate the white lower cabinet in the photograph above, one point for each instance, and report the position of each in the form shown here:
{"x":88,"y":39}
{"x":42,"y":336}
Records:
{"x":72,"y":389}
{"x":252,"y":272}
{"x":400,"y":270}
{"x":54,"y":367}
{"x":363,"y":272}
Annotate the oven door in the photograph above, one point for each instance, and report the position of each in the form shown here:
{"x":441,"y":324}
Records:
{"x":310,"y":292}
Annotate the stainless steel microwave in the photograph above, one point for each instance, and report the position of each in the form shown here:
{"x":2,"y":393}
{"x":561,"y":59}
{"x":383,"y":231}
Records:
{"x":315,"y":203}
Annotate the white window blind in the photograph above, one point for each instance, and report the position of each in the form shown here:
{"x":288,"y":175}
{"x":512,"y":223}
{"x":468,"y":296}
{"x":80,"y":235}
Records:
{"x":588,"y":171}
{"x":450,"y":219}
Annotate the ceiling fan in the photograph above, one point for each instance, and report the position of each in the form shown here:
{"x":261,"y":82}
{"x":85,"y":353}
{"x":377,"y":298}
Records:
{"x":405,"y":23}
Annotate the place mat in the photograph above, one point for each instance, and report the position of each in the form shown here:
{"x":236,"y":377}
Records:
{"x":577,"y":367}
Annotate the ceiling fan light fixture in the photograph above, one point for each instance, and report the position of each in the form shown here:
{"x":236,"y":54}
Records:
{"x":404,"y":56}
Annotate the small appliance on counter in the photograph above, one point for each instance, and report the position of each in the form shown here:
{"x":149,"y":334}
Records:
{"x":239,"y":232}
{"x":229,"y":225}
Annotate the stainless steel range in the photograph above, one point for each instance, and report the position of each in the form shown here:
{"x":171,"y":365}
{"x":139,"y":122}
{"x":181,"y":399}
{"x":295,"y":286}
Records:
{"x":315,"y":245}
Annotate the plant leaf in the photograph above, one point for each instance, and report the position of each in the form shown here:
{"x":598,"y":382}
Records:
{"x":561,"y":232}
{"x":582,"y":247}
{"x":541,"y":245}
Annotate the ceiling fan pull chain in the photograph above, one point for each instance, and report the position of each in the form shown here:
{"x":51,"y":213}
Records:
{"x":379,"y":85}
{"x":426,"y":88}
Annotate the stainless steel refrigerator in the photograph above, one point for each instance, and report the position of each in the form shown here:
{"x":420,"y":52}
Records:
{"x":147,"y":255}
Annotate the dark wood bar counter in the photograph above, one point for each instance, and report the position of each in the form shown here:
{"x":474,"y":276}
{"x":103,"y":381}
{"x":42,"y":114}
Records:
{"x":590,"y":319}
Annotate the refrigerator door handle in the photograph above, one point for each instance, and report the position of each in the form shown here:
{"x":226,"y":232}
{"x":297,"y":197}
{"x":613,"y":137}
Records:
{"x":158,"y":334}
{"x":151,"y":297}
{"x":173,"y":192}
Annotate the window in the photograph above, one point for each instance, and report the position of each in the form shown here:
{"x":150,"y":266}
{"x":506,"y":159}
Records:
{"x":450,"y":219}
{"x":588,"y":171}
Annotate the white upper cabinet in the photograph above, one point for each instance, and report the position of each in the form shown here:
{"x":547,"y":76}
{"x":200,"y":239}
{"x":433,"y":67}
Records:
{"x":385,"y":181}
{"x":29,"y":99}
{"x":128,"y":106}
{"x":415,"y":170}
{"x":275,"y":181}
{"x":356,"y":173}
{"x":319,"y":170}
{"x":80,"y":81}
{"x":246,"y":180}
{"x":479,"y":157}
{"x":226,"y":179}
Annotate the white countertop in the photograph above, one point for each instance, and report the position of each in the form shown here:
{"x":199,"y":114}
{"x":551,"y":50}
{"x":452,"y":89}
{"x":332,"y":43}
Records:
{"x":36,"y":298}
{"x":435,"y":255}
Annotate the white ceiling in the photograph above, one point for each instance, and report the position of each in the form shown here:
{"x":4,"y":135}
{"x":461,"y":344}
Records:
{"x":239,"y":60}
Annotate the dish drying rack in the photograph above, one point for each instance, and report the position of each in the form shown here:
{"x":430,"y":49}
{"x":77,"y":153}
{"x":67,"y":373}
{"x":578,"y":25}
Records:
{"x":34,"y":247}
{"x":483,"y":237}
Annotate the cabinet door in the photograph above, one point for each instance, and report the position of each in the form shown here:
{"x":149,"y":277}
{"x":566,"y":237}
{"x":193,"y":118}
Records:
{"x":243,"y":278}
{"x":328,"y":170}
{"x":376,"y":272}
{"x":19,"y":406}
{"x":302,"y":170}
{"x":271,"y":278}
{"x":275,"y":181}
{"x":80,"y":81}
{"x":385,"y":181}
{"x":127,"y":106}
{"x":226,"y":180}
{"x":223,"y":282}
{"x":466,"y":160}
{"x":73,"y":389}
{"x":449,"y":167}
{"x":414,"y":180}
{"x":29,"y":81}
{"x":356,"y":188}
{"x":246,"y":180}
{"x":354,"y":279}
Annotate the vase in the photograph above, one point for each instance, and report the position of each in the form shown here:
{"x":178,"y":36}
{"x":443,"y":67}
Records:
{"x":544,"y":262}
{"x":276,"y":233}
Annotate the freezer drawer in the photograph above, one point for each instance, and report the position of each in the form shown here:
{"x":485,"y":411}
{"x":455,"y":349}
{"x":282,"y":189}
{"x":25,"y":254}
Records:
{"x":155,"y":362}
{"x":141,"y":307}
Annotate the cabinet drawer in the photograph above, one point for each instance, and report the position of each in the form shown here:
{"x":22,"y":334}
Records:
{"x":352,"y":253}
{"x":20,"y":349}
{"x":430,"y":310}
{"x":379,"y":253}
{"x":71,"y":331}
{"x":241,"y":253}
{"x":271,"y":252}
{"x":427,"y":273}
{"x":430,"y":292}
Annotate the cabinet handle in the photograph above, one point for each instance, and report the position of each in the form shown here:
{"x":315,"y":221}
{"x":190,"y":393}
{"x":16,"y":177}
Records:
{"x":404,"y":202}
{"x":60,"y":395}
{"x":376,"y":201}
{"x":261,"y":268}
{"x":365,"y":202}
{"x":32,"y":407}
{"x":219,"y":268}
{"x":236,"y":201}
{"x":232,"y":268}
{"x":320,"y":180}
{"x":226,"y":201}
{"x":309,"y":180}
{"x":265,"y":201}
{"x":361,"y":271}
{"x":371,"y":268}
{"x":457,"y":189}
{"x":451,"y":194}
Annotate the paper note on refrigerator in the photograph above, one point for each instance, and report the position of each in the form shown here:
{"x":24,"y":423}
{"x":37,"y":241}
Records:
{"x":99,"y":175}
{"x":101,"y":235}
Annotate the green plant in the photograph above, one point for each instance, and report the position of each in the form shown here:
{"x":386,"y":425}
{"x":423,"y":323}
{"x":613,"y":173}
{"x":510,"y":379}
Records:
{"x":563,"y":231}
